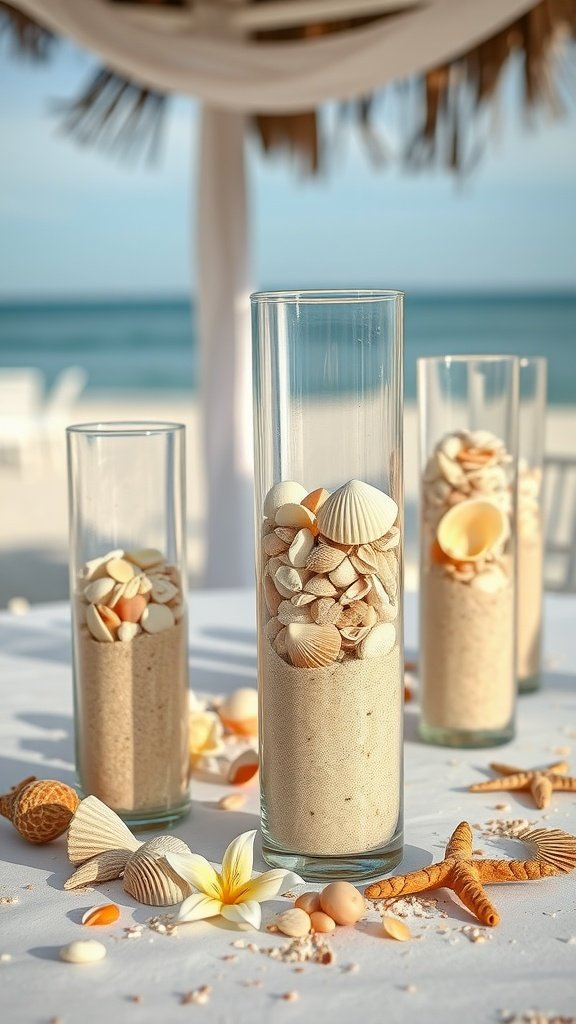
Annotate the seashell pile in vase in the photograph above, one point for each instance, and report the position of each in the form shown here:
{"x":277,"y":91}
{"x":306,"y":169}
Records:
{"x":131,"y":656}
{"x":330,"y":667}
{"x":467,"y":586}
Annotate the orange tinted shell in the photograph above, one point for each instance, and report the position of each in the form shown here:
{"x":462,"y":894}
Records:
{"x":129,"y":609}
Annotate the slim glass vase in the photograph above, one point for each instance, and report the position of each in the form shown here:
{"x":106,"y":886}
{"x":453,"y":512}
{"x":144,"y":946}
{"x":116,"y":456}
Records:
{"x":328,"y":445}
{"x":468,"y":409}
{"x":128,"y":594}
{"x":530,"y":521}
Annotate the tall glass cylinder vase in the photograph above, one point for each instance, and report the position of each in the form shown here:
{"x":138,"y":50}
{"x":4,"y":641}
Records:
{"x":468,"y":409}
{"x":128,"y":594}
{"x":530,"y":521}
{"x":328,"y":444}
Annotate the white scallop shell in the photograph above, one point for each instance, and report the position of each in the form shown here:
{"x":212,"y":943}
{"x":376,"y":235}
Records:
{"x":148,"y":877}
{"x":95,"y":828}
{"x":103,"y":868}
{"x":357,"y":513}
{"x":379,"y":642}
{"x":552,"y":846}
{"x":282,"y":493}
{"x":312,"y":646}
{"x":471,"y":529}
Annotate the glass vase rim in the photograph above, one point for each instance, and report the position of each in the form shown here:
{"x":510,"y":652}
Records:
{"x":532,"y":361}
{"x":125,"y":428}
{"x":327,"y":296}
{"x":462,"y":357}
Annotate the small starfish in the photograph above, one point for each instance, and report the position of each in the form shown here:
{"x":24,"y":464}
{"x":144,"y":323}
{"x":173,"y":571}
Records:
{"x":541,"y":782}
{"x":465,"y":876}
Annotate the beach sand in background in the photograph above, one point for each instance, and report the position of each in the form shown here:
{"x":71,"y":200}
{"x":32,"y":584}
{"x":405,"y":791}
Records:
{"x":33,"y":502}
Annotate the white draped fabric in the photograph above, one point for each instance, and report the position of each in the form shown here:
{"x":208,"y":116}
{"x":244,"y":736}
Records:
{"x":231,"y":74}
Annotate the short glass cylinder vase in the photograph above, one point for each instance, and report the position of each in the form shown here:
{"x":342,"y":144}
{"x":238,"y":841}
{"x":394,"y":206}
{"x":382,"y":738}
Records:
{"x":129,"y":623}
{"x":530,"y":550}
{"x":329,"y":492}
{"x":468,"y":418}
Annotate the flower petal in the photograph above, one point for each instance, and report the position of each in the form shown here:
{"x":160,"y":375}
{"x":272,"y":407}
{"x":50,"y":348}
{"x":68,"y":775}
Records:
{"x":243,"y":913}
{"x":237,"y":865}
{"x":198,"y":907}
{"x":268,"y":885}
{"x":195,"y":870}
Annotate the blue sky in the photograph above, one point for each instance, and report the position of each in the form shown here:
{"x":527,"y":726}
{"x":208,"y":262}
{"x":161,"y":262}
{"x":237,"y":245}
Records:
{"x":75,"y":221}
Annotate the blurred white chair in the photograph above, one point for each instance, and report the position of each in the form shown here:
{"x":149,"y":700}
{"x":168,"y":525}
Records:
{"x":560,"y":518}
{"x":58,"y":407}
{"x":21,"y":396}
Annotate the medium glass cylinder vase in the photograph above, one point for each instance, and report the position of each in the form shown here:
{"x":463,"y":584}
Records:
{"x":328,"y":446}
{"x":531,"y":438}
{"x":468,"y":411}
{"x":128,"y":594}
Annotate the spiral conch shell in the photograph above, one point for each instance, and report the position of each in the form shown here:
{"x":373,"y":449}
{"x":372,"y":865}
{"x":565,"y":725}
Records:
{"x":356,"y":513}
{"x":472,"y":529}
{"x":105,"y":849}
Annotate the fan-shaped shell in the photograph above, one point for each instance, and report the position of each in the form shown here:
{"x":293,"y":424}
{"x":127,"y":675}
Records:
{"x":471,"y":529}
{"x":147,"y":876}
{"x":552,"y":846}
{"x":356,"y":513}
{"x":280,"y":494}
{"x":103,"y":868}
{"x":312,"y":646}
{"x":94,"y":829}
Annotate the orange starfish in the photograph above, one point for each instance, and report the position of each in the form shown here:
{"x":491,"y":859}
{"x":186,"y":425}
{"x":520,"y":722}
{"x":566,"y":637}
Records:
{"x":465,"y":875}
{"x":540,"y":782}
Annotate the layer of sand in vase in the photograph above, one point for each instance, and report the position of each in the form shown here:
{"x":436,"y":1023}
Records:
{"x":132,"y":719}
{"x":467,"y":673}
{"x":331,"y":749}
{"x":530,"y":569}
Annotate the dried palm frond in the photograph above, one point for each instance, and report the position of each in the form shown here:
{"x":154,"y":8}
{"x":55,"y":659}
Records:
{"x":28,"y":36}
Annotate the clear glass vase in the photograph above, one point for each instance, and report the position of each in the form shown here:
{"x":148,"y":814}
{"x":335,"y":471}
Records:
{"x":468,"y":411}
{"x":530,"y":551}
{"x":328,"y":446}
{"x":129,"y":623}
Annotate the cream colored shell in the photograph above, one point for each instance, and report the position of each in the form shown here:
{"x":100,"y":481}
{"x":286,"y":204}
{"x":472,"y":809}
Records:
{"x":94,"y":829}
{"x":472,"y":529}
{"x":357,"y":513}
{"x":148,"y":877}
{"x":311,"y":645}
{"x":282,"y":493}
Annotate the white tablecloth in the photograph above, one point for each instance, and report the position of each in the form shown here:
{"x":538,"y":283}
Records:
{"x":528,"y":961}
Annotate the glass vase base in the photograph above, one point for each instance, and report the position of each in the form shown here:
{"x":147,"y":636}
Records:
{"x":348,"y":867}
{"x":465,"y":738}
{"x":529,"y":684}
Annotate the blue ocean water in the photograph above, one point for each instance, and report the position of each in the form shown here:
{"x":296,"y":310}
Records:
{"x":133,"y":345}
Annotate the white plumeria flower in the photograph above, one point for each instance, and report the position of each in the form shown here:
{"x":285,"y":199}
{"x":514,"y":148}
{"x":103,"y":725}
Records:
{"x":233,"y":893}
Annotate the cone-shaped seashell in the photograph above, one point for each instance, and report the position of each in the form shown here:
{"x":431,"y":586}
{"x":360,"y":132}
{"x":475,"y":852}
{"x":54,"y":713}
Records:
{"x":471,"y":529}
{"x":320,"y":586}
{"x":344,"y":574}
{"x":102,"y":868}
{"x":147,"y":877}
{"x":271,"y":596}
{"x":357,"y":513}
{"x":97,"y":626}
{"x":315,"y":499}
{"x":388,"y":541}
{"x":288,"y":613}
{"x":325,"y":610}
{"x":282,"y":493}
{"x":96,"y":828}
{"x":287,"y":580}
{"x":274,"y":545}
{"x":300,"y":548}
{"x":552,"y":846}
{"x":297,"y":516}
{"x":324,"y":558}
{"x":379,"y":642}
{"x":312,"y":646}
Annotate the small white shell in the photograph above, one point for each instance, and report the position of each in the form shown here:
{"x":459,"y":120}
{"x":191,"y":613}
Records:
{"x":95,"y":828}
{"x":344,"y":574}
{"x":120,"y":570}
{"x":312,"y":646}
{"x":148,"y":877}
{"x":357,"y":513}
{"x":356,"y":591}
{"x":287,"y":580}
{"x":451,"y":446}
{"x":282,"y":493}
{"x":162,"y":590}
{"x":97,"y":566}
{"x":127,"y":631}
{"x":98,"y":590}
{"x":451,"y":471}
{"x":82,"y":951}
{"x":146,"y":558}
{"x":156,"y":618}
{"x":300,"y":548}
{"x":297,"y":516}
{"x":97,"y":627}
{"x":302,"y":599}
{"x":379,"y":642}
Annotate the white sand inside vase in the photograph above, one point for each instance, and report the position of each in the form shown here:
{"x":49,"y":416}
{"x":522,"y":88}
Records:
{"x":331,"y":753}
{"x":132,"y":716}
{"x":467,"y":658}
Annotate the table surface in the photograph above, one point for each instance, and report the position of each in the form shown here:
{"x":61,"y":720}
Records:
{"x":527,"y":961}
